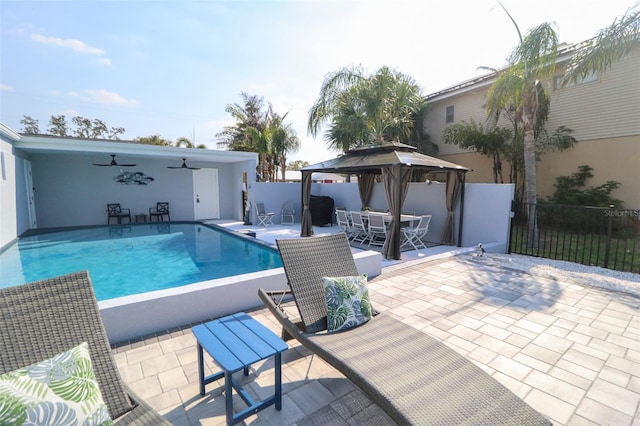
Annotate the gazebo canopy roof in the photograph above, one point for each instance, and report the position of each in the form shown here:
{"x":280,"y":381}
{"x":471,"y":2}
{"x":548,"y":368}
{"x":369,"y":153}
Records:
{"x":372,"y":158}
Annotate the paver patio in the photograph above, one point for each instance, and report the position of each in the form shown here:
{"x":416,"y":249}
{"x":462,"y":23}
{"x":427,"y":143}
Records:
{"x":570,"y":351}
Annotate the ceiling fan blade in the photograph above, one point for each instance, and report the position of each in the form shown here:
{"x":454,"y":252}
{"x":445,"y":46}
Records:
{"x":114,"y":163}
{"x":183,"y":166}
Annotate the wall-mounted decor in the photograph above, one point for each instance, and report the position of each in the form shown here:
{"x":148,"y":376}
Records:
{"x":133,"y":178}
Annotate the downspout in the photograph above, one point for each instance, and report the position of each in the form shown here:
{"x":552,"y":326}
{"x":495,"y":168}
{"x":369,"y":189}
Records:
{"x":464,"y":175}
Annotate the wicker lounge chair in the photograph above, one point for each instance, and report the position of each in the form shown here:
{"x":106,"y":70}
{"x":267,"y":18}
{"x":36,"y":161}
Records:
{"x":415,"y":378}
{"x":45,"y":318}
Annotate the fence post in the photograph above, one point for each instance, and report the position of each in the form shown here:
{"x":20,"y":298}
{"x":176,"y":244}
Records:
{"x":511,"y":216}
{"x":607,"y":248}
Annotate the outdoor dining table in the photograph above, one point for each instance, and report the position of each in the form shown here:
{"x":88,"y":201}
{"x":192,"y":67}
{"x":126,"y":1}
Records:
{"x":404,"y":218}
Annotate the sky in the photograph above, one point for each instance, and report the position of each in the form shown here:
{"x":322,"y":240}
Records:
{"x":171,"y":67}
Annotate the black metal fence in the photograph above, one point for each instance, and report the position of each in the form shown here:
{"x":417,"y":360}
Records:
{"x":599,"y":236}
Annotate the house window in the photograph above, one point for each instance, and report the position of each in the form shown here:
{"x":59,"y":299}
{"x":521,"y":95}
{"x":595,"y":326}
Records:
{"x":449,"y":114}
{"x":557,"y":81}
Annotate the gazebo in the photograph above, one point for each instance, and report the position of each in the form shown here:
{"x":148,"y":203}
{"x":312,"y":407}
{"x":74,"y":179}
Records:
{"x":395,"y":162}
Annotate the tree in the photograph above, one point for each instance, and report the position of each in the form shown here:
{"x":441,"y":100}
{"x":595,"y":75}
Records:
{"x":283,"y":141}
{"x":85,"y":128}
{"x":115,"y":132}
{"x":360,"y":109}
{"x":519,"y":87}
{"x":247,"y":115}
{"x":297,"y":165}
{"x":182,"y":141}
{"x":31,"y":126}
{"x":153,"y":140}
{"x":262,"y":131}
{"x":490,"y":141}
{"x":58,"y":126}
{"x":94,"y":129}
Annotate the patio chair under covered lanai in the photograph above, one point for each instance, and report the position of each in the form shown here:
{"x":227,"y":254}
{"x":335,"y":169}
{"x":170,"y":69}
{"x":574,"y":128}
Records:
{"x":395,"y":162}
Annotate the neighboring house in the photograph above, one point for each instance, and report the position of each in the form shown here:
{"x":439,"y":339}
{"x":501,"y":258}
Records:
{"x":49,"y":182}
{"x":602,"y":110}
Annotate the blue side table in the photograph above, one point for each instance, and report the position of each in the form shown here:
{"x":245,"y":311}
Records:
{"x":235,"y":342}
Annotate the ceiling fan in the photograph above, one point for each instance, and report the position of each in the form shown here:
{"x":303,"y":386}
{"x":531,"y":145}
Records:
{"x":183,"y":166}
{"x":114,"y":163}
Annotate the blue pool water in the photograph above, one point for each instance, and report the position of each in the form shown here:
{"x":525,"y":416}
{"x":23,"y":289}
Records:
{"x":126,"y":260}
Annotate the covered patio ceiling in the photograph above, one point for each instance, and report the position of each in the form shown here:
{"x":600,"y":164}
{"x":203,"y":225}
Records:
{"x":395,"y":162}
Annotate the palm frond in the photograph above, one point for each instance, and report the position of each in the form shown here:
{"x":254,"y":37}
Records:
{"x":609,"y":45}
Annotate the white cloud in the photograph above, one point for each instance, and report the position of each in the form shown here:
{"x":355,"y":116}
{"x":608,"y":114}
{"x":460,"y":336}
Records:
{"x":6,"y":88}
{"x":69,"y":43}
{"x":105,"y":97}
{"x":99,"y":96}
{"x":104,"y":61}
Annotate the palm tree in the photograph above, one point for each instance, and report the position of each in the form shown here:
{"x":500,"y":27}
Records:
{"x":182,"y":141}
{"x":262,"y":131}
{"x":283,"y":141}
{"x":249,"y":133}
{"x":249,"y":114}
{"x":520,"y":88}
{"x":360,"y":109}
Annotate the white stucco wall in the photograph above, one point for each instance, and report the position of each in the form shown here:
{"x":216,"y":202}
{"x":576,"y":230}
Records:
{"x":14,"y":217}
{"x":8,"y":225}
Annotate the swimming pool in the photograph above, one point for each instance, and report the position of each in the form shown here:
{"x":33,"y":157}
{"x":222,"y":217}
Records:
{"x":126,"y":260}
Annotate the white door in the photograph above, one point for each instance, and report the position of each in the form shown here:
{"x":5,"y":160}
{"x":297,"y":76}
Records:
{"x":31,"y":200}
{"x":205,"y":194}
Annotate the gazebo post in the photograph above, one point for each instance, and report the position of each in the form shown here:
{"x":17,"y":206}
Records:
{"x":306,"y":226}
{"x":463,"y":177}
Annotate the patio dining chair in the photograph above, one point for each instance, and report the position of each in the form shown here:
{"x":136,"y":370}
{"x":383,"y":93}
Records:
{"x":46,"y":318}
{"x":115,"y":211}
{"x":288,"y":212}
{"x":159,"y":212}
{"x":360,"y":231}
{"x":344,"y":223}
{"x":377,"y":230}
{"x":263,"y":216}
{"x":413,"y":235}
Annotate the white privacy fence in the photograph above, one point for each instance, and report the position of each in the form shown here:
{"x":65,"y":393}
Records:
{"x":486,"y":206}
